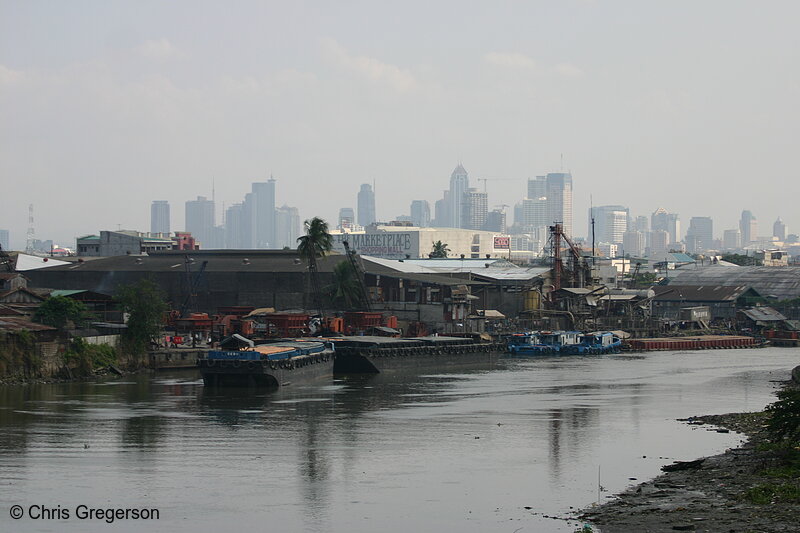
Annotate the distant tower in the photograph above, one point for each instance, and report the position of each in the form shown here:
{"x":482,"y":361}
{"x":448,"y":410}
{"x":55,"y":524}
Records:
{"x":159,"y":217}
{"x":420,"y":213}
{"x":366,"y":205}
{"x":200,"y":221}
{"x":459,"y":183}
{"x":559,"y":199}
{"x":347,"y":217}
{"x":748,"y":226}
{"x":31,"y":233}
{"x":779,"y":230}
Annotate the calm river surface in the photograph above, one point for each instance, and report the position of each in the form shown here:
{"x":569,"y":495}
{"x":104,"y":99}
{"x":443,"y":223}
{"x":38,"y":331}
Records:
{"x":409,"y":452}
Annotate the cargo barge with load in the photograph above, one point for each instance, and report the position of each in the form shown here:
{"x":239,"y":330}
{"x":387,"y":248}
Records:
{"x":365,"y":354}
{"x":699,"y":342}
{"x":268,"y":365}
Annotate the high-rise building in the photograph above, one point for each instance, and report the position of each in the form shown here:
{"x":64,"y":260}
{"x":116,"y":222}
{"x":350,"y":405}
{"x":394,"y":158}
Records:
{"x":159,"y":217}
{"x":700,"y":234}
{"x":496,"y":221}
{"x":633,"y":242}
{"x":420,"y":213}
{"x":5,"y":241}
{"x":287,"y":227}
{"x":347,"y":217}
{"x":659,"y":243}
{"x":262,"y":214}
{"x":559,"y":199}
{"x":441,"y":211}
{"x":200,"y":221}
{"x":235,"y":236}
{"x":731,"y":239}
{"x":534,"y":213}
{"x":537,"y":187}
{"x":366,"y":205}
{"x":459,"y":184}
{"x":669,"y":222}
{"x":475,"y":208}
{"x":610,"y":223}
{"x":748,"y":226}
{"x":779,"y":230}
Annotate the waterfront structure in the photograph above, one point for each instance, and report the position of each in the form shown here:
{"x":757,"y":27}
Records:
{"x":420,"y":213}
{"x":475,"y":206}
{"x":459,"y":184}
{"x":665,"y":221}
{"x":748,"y":226}
{"x":159,"y":217}
{"x":700,"y":234}
{"x":610,"y":223}
{"x":347,"y":217}
{"x":779,"y":230}
{"x":731,"y":239}
{"x":366,"y":205}
{"x":5,"y":241}
{"x":200,"y":220}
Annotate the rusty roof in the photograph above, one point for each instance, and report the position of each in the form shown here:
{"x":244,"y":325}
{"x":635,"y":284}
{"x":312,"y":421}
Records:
{"x":8,"y":323}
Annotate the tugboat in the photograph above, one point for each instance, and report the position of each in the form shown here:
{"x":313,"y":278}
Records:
{"x":543,"y":342}
{"x":599,"y":342}
{"x":268,"y":365}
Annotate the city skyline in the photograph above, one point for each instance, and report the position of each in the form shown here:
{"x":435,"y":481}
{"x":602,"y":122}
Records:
{"x":108,"y":102}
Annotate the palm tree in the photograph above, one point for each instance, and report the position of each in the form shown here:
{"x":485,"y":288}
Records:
{"x":439,"y":250}
{"x":345,"y":290}
{"x":316,"y":241}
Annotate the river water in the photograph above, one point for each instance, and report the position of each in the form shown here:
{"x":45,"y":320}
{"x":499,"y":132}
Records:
{"x":482,"y":450}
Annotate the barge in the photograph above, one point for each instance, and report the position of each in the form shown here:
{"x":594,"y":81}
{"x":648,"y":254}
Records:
{"x":700,"y":342}
{"x":268,"y":365}
{"x":365,"y":354}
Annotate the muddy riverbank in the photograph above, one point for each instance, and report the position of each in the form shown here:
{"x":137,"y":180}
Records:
{"x":711,"y":495}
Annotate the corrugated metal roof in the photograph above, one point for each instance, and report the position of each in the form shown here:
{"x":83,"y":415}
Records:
{"x":763,"y":314}
{"x":781,"y":283}
{"x":18,"y":324}
{"x":698,"y":293}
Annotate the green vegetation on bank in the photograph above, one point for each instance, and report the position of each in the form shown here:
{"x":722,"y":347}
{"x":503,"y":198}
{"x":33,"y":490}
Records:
{"x":145,"y":305}
{"x":89,"y":357}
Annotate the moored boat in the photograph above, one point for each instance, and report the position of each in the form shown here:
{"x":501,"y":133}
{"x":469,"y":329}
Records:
{"x":268,"y":365}
{"x":543,"y":342}
{"x":598,"y":342}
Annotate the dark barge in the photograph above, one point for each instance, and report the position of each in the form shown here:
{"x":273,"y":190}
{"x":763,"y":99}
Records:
{"x":268,"y":365}
{"x":356,"y":355}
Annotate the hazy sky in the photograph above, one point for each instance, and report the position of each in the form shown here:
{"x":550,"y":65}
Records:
{"x":107,"y":105}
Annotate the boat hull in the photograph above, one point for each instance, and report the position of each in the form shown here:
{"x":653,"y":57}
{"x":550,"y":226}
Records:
{"x":266,"y":374}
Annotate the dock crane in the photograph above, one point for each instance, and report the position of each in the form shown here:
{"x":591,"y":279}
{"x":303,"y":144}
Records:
{"x":192,"y":282}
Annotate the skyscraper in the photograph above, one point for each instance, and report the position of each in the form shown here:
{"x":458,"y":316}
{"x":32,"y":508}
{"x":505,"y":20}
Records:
{"x":475,"y":207}
{"x":200,"y":221}
{"x":610,"y":223}
{"x":159,"y":216}
{"x":669,"y":222}
{"x":731,"y":239}
{"x":700,"y":234}
{"x":496,"y":221}
{"x":262,"y":214}
{"x":459,"y":183}
{"x":287,"y":227}
{"x":779,"y":230}
{"x":366,"y":205}
{"x":421,"y":213}
{"x":559,"y":199}
{"x":748,"y":226}
{"x":633,"y":243}
{"x":234,"y":227}
{"x":347,"y":217}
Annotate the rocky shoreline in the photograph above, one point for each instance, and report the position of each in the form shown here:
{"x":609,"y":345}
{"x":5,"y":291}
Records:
{"x":704,"y":495}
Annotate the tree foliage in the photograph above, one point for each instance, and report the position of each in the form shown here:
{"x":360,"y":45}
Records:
{"x":58,"y":311}
{"x":784,"y":417}
{"x":741,"y":260}
{"x":439,"y":250}
{"x":145,"y":305}
{"x":345,"y":291}
{"x":316,"y":241}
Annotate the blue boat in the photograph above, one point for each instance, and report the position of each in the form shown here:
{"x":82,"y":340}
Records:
{"x":598,"y":342}
{"x":543,"y":342}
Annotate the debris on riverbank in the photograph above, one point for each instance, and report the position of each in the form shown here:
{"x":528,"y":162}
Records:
{"x":730,"y":492}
